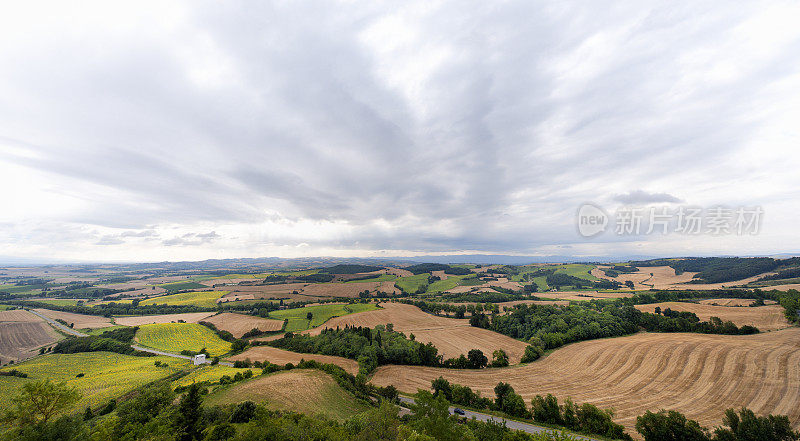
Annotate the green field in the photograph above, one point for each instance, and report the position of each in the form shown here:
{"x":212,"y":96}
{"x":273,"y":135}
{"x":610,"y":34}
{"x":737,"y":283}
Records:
{"x":209,"y":373}
{"x":578,"y":270}
{"x":4,"y":307}
{"x":106,"y":375}
{"x":411,"y":284}
{"x":206,"y":299}
{"x":180,"y":286}
{"x":321,"y":314}
{"x":443,"y":285}
{"x":301,"y":390}
{"x":175,"y":337}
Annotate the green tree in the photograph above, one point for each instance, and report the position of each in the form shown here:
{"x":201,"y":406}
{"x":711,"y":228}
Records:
{"x":746,"y":426}
{"x":432,"y":417}
{"x":669,"y":426}
{"x":381,"y":424}
{"x":499,"y":358}
{"x":476,"y":359}
{"x":39,"y":401}
{"x":189,"y":412}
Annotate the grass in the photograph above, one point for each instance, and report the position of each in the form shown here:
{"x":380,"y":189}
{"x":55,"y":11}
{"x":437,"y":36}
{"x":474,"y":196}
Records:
{"x":206,"y":299}
{"x":175,"y":337}
{"x":578,"y":270}
{"x":443,"y":285}
{"x":180,"y":286}
{"x":106,"y":375}
{"x":209,"y":373}
{"x":411,"y":284}
{"x":301,"y":390}
{"x":320,"y":314}
{"x":5,"y":307}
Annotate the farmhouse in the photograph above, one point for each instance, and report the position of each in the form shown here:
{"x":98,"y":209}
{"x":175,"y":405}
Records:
{"x":199,"y":359}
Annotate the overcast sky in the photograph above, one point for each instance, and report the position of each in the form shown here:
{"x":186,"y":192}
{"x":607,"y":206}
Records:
{"x":168,"y":130}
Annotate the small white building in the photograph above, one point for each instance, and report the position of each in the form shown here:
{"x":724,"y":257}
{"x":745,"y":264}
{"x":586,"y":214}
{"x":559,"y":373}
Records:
{"x":199,"y":359}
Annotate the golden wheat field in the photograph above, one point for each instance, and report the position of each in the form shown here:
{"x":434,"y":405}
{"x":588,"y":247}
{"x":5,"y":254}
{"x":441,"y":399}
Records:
{"x":280,"y":356}
{"x":238,"y":324}
{"x":699,"y":375}
{"x":765,"y":318}
{"x":452,"y":337}
{"x":80,"y":321}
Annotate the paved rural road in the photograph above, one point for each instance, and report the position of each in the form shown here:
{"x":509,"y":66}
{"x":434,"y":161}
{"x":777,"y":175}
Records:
{"x":58,"y":325}
{"x":185,"y":357}
{"x":511,"y":424}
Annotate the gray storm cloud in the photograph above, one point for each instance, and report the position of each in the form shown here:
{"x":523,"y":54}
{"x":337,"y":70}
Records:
{"x":421,"y":126}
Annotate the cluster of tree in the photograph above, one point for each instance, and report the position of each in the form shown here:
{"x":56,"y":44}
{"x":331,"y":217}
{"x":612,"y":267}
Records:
{"x":744,"y":426}
{"x":616,"y":270}
{"x":225,"y":335}
{"x":586,"y":418}
{"x":558,"y":280}
{"x":111,"y":309}
{"x":350,"y":269}
{"x":790,"y":273}
{"x":427,"y":267}
{"x":484,"y":297}
{"x":458,"y":271}
{"x":370,"y":347}
{"x":459,"y":311}
{"x":475,"y":359}
{"x":721,"y":269}
{"x":552,"y":326}
{"x":94,"y":343}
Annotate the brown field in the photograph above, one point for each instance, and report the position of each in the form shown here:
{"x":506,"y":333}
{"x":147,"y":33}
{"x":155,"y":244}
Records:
{"x":279,"y":356}
{"x":81,"y":321}
{"x":235,"y":297}
{"x":18,"y":315}
{"x":388,"y":287}
{"x":765,"y":318}
{"x":452,"y":337}
{"x":664,"y":277}
{"x":696,"y":374}
{"x":23,"y":334}
{"x":733,"y":302}
{"x":787,"y":287}
{"x":338,"y":289}
{"x":300,"y":390}
{"x":189,"y":317}
{"x":238,"y":324}
{"x":399,"y":272}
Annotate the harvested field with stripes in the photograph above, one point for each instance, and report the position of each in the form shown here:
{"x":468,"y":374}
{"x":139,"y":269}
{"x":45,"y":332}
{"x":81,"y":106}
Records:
{"x":765,"y":318}
{"x":696,"y":374}
{"x":279,"y":356}
{"x":452,"y":337}
{"x":80,"y":321}
{"x":238,"y":324}
{"x":189,"y":317}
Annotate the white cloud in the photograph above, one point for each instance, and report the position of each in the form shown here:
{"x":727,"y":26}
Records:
{"x":192,"y":130}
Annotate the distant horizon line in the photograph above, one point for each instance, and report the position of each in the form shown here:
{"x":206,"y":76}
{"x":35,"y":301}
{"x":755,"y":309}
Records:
{"x":477,"y":258}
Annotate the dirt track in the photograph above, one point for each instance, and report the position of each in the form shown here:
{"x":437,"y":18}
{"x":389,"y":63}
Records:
{"x":699,"y":375}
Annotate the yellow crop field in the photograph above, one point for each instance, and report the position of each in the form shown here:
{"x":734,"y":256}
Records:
{"x":206,"y":299}
{"x":106,"y":375}
{"x":175,"y":337}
